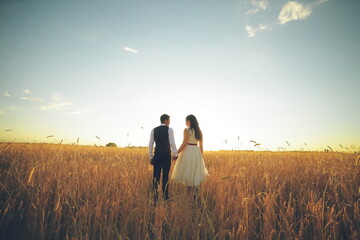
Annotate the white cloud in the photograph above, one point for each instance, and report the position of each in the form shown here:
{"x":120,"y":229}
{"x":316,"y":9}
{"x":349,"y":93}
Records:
{"x":56,"y":97}
{"x":262,"y":27}
{"x":80,"y":111}
{"x":251,"y":31}
{"x":319,"y":2}
{"x":31,"y":99}
{"x":57,"y":103}
{"x":293,"y":11}
{"x":6,"y":94}
{"x":259,"y":5}
{"x":56,"y":106}
{"x":131,"y":50}
{"x":290,"y":11}
{"x":27,"y":91}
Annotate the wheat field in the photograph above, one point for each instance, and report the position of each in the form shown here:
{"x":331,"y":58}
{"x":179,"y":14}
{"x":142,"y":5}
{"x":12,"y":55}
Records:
{"x":50,"y":191}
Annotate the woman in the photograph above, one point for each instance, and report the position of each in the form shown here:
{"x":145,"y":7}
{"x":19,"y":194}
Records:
{"x":190,"y":167}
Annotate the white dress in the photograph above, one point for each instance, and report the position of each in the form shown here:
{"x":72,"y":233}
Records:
{"x":190,"y":166}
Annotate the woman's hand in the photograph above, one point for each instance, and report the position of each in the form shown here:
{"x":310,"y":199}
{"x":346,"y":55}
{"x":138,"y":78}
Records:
{"x":186,"y":139}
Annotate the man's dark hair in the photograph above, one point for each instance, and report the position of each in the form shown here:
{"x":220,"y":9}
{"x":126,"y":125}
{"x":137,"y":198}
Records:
{"x":164,"y":117}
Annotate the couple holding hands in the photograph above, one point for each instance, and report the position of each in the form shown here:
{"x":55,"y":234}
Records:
{"x":189,"y":167}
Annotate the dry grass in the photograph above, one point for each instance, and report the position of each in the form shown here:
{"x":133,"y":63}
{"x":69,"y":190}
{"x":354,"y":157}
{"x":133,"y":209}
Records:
{"x":78,"y":192}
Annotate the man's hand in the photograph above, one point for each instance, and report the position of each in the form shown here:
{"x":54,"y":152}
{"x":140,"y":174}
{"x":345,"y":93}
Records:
{"x":174,"y":158}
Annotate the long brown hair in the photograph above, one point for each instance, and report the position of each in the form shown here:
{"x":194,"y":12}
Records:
{"x":194,"y":125}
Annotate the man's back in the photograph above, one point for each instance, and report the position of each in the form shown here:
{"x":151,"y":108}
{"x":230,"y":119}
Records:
{"x":161,"y":138}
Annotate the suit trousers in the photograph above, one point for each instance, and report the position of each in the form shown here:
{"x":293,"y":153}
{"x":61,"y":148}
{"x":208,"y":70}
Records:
{"x":162,"y":163}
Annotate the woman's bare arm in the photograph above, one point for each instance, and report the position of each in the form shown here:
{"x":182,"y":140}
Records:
{"x":201,"y":145}
{"x":185,"y":141}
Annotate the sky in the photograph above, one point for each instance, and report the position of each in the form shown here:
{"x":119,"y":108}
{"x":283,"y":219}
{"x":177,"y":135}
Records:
{"x":285,"y":74}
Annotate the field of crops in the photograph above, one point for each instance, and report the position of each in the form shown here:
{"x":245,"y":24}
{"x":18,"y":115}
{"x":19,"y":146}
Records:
{"x":50,"y":191}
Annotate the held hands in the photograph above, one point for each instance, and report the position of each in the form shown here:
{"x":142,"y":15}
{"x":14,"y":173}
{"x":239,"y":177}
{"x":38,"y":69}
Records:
{"x":152,"y":160}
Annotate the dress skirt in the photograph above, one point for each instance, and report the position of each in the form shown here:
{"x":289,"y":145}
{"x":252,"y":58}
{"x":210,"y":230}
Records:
{"x":190,"y":167}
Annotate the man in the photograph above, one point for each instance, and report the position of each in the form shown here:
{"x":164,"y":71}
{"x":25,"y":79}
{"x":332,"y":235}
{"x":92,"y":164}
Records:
{"x":163,"y":136}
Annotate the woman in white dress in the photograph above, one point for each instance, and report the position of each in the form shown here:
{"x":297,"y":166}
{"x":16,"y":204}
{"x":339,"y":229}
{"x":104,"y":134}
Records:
{"x":190,"y":166}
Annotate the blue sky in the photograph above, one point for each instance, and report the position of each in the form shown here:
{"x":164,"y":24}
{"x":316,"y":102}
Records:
{"x":269,"y":71}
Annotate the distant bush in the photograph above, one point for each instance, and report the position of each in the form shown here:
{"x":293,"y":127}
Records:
{"x":111,"y":144}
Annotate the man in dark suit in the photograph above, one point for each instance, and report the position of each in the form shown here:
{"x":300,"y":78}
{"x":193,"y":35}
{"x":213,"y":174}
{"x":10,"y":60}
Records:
{"x":163,"y":136}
